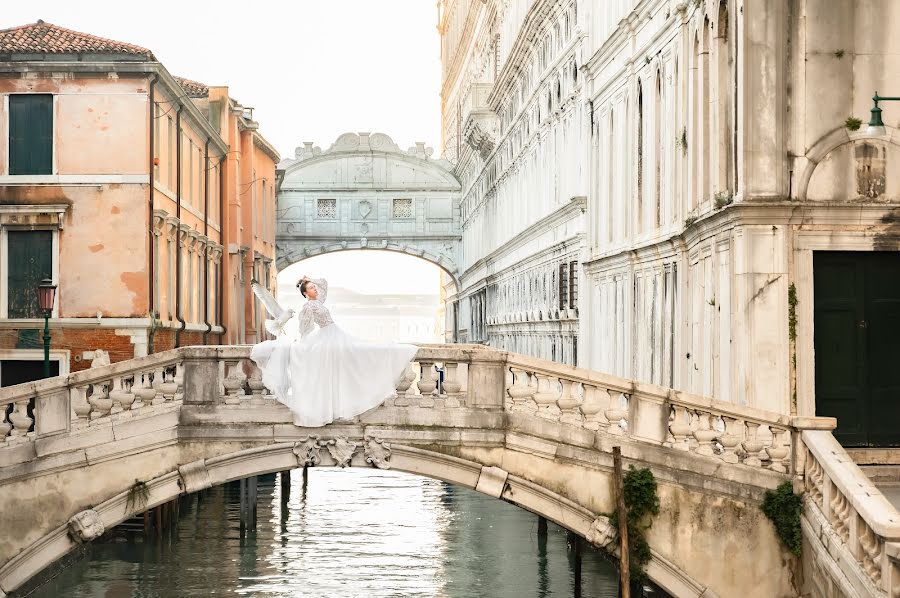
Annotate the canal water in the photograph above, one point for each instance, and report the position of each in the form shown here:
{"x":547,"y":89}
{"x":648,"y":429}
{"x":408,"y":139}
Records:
{"x":349,"y":533}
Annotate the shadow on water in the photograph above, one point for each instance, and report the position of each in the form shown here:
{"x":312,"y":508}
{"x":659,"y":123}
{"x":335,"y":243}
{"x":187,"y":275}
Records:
{"x":344,"y":533}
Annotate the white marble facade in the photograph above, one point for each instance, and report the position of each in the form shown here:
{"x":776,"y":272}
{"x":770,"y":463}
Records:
{"x":687,"y":158}
{"x":364,"y":192}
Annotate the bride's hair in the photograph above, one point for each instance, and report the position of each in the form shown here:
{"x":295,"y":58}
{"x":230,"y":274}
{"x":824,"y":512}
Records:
{"x":302,"y":286}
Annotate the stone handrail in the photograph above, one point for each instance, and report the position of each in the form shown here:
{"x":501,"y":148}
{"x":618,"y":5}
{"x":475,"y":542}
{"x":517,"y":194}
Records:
{"x":474,"y":376}
{"x":865,"y":522}
{"x":649,"y":413}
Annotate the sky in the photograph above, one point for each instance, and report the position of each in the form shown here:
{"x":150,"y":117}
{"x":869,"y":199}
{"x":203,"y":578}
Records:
{"x":311,"y":69}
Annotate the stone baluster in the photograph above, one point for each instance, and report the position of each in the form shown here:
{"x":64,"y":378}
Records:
{"x":680,"y":428}
{"x":257,"y":388}
{"x":617,"y":414}
{"x":427,"y":384}
{"x":403,"y":384}
{"x":840,"y":514}
{"x":159,"y":378}
{"x":99,"y":400}
{"x":179,"y":381}
{"x":234,"y":382}
{"x":752,"y":445}
{"x":119,"y":395}
{"x":545,"y":397}
{"x":520,"y":391}
{"x":80,"y":404}
{"x":5,"y":426}
{"x":871,"y":548}
{"x":168,"y":387}
{"x":778,"y":451}
{"x":20,"y":420}
{"x":427,"y":381}
{"x":452,"y":385}
{"x":813,"y":477}
{"x":594,"y":402}
{"x":570,"y":398}
{"x":891,"y":580}
{"x":705,"y":435}
{"x":730,"y":440}
{"x":144,"y":393}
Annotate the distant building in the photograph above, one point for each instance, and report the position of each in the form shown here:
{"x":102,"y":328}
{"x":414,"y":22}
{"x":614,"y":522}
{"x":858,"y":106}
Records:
{"x":83,"y":121}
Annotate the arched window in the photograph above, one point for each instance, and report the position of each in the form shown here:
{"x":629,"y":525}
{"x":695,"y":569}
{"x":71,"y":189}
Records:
{"x":657,"y":151}
{"x":707,"y":125}
{"x":640,"y":157}
{"x":725,"y":105}
{"x":695,"y":128}
{"x":611,"y":175}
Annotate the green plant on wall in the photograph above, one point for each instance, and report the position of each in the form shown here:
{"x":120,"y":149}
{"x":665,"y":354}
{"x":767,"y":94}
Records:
{"x":642,"y":503}
{"x":722,"y":199}
{"x":838,"y":53}
{"x":783,"y":508}
{"x":853,"y":123}
{"x":792,"y":312}
{"x":681,"y":142}
{"x":138,"y":496}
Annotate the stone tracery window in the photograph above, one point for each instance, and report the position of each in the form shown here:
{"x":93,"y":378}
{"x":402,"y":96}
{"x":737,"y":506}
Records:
{"x":326,"y":208}
{"x":402,"y":208}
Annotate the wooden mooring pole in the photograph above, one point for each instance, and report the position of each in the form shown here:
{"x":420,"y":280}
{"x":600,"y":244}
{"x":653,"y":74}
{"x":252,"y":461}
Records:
{"x":624,"y":571}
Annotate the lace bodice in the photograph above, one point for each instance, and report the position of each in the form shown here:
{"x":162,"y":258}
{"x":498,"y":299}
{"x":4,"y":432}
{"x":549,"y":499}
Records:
{"x":314,"y":313}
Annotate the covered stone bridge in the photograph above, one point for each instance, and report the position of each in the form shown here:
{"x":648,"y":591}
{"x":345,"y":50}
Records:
{"x":534,"y":433}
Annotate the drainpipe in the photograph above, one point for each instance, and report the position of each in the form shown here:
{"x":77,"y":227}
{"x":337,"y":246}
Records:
{"x":151,"y":269}
{"x":206,"y":234}
{"x":220,"y":271}
{"x":178,"y":315}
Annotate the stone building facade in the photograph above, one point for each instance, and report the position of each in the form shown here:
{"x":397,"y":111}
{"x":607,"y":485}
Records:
{"x":515,"y":128}
{"x":143,"y":262}
{"x":702,"y":165}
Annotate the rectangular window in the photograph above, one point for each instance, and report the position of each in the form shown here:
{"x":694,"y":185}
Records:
{"x":563,"y":285}
{"x":573,"y":284}
{"x":403,"y":208}
{"x":31,"y":134}
{"x":326,"y":208}
{"x":29,"y":261}
{"x":189,"y":191}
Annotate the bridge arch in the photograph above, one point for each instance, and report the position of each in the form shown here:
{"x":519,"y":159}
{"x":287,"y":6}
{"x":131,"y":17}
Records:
{"x":205,"y":473}
{"x":364,"y":192}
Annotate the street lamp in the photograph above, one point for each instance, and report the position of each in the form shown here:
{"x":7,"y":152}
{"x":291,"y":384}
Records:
{"x":876,"y":125}
{"x":46,"y":298}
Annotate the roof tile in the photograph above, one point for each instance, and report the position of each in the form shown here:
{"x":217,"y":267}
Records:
{"x":46,"y":38}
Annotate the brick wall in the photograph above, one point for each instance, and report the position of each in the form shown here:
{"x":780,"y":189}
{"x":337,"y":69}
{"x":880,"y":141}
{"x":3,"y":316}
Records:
{"x":79,"y":340}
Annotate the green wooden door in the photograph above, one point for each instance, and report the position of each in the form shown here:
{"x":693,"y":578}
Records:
{"x":857,"y":345}
{"x":30,"y":134}
{"x":30,"y":259}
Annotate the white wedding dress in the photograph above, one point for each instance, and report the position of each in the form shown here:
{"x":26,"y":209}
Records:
{"x":327,"y":374}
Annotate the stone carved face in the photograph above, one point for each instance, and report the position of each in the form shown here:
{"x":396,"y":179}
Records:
{"x":86,"y":525}
{"x":602,"y":533}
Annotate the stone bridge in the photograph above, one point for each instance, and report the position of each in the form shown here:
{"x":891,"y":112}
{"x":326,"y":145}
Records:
{"x":531,"y":432}
{"x":364,"y":192}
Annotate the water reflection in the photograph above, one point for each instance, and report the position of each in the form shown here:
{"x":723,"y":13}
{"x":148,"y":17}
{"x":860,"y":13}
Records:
{"x":362,"y":532}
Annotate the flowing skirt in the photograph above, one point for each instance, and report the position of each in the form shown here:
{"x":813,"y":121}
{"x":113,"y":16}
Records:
{"x":330,"y":374}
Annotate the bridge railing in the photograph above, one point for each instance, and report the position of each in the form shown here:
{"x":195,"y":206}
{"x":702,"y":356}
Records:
{"x":645,"y":412}
{"x":850,"y":507}
{"x":472,"y":376}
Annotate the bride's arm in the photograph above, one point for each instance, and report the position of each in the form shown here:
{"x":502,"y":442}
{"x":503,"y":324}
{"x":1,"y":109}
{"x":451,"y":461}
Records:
{"x":307,"y":320}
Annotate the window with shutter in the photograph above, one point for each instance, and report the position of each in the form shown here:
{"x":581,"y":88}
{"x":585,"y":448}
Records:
{"x":563,"y":285}
{"x":573,"y":284}
{"x":29,"y":261}
{"x":31,"y":134}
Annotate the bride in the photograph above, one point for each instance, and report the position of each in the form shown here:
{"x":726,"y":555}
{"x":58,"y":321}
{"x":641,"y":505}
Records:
{"x":325,"y":373}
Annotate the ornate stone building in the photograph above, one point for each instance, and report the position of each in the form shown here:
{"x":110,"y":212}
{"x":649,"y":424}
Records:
{"x":515,"y":126}
{"x":682,"y":193}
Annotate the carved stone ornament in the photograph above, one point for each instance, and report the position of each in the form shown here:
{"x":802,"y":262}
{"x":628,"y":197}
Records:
{"x":307,"y":451}
{"x":378,"y":453}
{"x":86,"y":525}
{"x":365,"y":208}
{"x":341,"y":450}
{"x":602,"y":534}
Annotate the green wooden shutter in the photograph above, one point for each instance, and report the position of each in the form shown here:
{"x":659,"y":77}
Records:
{"x":31,"y":134}
{"x":30,"y":259}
